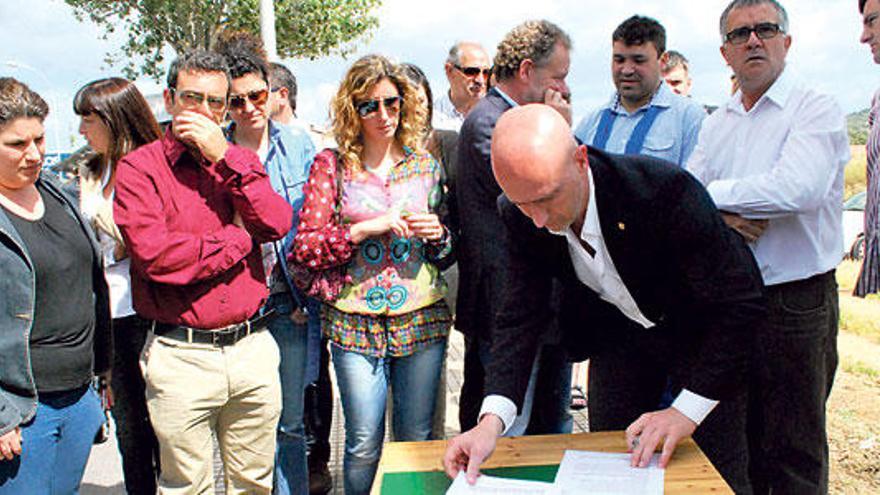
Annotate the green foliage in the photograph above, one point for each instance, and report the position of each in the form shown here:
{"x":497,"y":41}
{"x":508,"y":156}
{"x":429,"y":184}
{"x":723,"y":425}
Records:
{"x":305,"y":28}
{"x":857,"y":124}
{"x":856,"y":173}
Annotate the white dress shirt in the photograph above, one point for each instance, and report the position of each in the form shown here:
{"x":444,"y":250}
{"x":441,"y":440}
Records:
{"x":782,"y":160}
{"x":599,"y":274}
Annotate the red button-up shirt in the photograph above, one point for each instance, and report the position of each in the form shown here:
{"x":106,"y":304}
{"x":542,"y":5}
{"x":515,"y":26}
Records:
{"x":190,"y":264}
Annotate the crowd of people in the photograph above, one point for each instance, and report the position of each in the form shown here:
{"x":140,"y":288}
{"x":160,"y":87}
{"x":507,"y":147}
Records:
{"x":198,"y":276}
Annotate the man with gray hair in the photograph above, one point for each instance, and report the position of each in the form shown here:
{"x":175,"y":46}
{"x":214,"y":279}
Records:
{"x":467,"y":69}
{"x":772,"y":158}
{"x":531,"y":65}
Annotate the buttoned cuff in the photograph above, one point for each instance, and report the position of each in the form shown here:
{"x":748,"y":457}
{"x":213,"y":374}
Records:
{"x":721,"y":192}
{"x":238,"y":161}
{"x":500,"y":406}
{"x":695,"y":407}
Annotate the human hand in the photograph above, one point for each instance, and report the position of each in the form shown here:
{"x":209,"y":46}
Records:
{"x":561,"y":102}
{"x":203,"y":133}
{"x":751,"y":230}
{"x":236,"y":219}
{"x":299,"y":316}
{"x":389,"y":222}
{"x":424,"y":225}
{"x":10,"y":444}
{"x":669,"y":426}
{"x":468,"y":450}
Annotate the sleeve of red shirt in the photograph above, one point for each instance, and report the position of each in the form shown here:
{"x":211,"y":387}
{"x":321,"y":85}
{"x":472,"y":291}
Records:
{"x":265,"y":214}
{"x":163,"y":256}
{"x":321,"y":242}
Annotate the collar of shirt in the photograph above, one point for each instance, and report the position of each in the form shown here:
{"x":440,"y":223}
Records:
{"x":779,"y":93}
{"x":591,"y":232}
{"x":507,"y":98}
{"x":661,"y":98}
{"x":174,"y":148}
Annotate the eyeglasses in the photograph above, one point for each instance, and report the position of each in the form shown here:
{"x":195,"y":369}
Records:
{"x":474,"y":71}
{"x":192,"y":99}
{"x":257,"y":98}
{"x":763,"y":30}
{"x":368,"y":108}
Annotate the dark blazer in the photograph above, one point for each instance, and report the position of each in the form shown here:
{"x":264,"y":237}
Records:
{"x":480,"y":255}
{"x":686,"y":270}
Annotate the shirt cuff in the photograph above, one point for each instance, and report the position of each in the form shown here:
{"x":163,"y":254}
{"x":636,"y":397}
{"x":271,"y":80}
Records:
{"x":237,"y":161}
{"x":500,"y":406}
{"x":721,"y":192}
{"x":695,"y":407}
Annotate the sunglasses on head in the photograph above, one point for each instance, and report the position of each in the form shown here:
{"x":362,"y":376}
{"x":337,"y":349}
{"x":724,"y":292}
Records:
{"x":191,"y":99}
{"x":763,"y":30}
{"x":370,"y":107}
{"x":474,"y":71}
{"x":257,"y":98}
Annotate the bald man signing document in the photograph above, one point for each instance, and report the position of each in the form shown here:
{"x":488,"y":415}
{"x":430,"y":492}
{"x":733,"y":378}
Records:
{"x":655,"y":286}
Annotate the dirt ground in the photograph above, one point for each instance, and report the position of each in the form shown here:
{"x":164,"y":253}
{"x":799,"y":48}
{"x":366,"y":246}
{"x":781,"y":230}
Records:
{"x":854,"y":417}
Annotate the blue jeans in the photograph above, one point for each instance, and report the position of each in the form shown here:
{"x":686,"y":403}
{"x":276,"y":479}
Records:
{"x":55,"y":445}
{"x":291,"y":471}
{"x":363,"y":387}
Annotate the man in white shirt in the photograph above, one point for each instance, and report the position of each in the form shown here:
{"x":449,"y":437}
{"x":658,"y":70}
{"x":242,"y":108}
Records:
{"x":467,"y":69}
{"x":772,"y":158}
{"x":654,"y":285}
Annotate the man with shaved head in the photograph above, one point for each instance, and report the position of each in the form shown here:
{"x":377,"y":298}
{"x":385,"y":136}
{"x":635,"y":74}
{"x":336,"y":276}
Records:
{"x":654,"y":285}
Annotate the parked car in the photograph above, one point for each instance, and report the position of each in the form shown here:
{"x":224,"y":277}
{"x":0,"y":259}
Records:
{"x":854,"y":226}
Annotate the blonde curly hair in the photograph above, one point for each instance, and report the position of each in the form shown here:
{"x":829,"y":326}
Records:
{"x":533,"y":40}
{"x":363,"y":75}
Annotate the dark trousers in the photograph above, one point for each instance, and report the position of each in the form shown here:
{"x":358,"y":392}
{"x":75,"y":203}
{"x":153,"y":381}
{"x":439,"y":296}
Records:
{"x":134,"y":433}
{"x":550,"y":407}
{"x":629,"y":379}
{"x":793,"y":368}
{"x":319,"y":412}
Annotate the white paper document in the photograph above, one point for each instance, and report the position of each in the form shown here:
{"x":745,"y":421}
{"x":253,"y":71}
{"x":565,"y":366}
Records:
{"x":492,"y":485}
{"x":603,"y":473}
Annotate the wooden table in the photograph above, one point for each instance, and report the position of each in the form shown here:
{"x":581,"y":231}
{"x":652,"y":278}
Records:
{"x":689,"y":471}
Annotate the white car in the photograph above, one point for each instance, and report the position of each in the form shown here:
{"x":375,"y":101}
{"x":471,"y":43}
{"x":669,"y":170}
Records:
{"x":854,"y":226}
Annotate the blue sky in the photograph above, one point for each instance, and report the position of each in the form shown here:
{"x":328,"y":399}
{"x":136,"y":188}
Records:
{"x":56,"y":54}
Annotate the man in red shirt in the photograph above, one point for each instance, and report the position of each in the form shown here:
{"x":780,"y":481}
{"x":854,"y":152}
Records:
{"x":193,"y":210}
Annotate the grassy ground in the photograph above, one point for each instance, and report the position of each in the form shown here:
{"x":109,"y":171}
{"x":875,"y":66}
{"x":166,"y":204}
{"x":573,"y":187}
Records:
{"x":854,"y":406}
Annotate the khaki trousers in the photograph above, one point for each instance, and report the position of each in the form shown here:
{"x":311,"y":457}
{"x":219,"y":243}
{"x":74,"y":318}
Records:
{"x":233,"y":391}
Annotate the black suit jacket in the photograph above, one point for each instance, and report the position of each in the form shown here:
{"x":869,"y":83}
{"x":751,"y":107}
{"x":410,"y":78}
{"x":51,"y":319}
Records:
{"x":479,"y":252}
{"x":686,"y":270}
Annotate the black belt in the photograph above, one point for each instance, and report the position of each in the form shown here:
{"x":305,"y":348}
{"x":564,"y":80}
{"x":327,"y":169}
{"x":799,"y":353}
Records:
{"x":219,"y":337}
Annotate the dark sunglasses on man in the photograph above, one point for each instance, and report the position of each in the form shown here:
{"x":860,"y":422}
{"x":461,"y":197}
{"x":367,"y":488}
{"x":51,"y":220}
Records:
{"x":368,"y":108}
{"x":763,"y":30}
{"x":257,"y":98}
{"x":474,"y":71}
{"x":191,"y":99}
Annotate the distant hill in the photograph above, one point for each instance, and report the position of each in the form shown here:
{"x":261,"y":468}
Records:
{"x":857,"y":123}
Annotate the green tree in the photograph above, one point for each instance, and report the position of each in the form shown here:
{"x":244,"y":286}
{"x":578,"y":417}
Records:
{"x":305,"y":28}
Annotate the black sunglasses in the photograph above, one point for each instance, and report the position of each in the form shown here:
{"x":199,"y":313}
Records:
{"x":257,"y":98}
{"x":474,"y":71}
{"x":763,"y":30}
{"x":370,"y":107}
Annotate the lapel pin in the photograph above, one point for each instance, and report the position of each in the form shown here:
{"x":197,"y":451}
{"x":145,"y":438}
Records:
{"x":621,"y":226}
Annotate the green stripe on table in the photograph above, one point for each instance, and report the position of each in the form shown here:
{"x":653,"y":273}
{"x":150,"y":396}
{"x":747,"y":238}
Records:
{"x":436,"y":482}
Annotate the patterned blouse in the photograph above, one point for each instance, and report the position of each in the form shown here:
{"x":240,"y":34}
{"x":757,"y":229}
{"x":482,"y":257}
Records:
{"x":869,"y":278}
{"x":386,"y":275}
